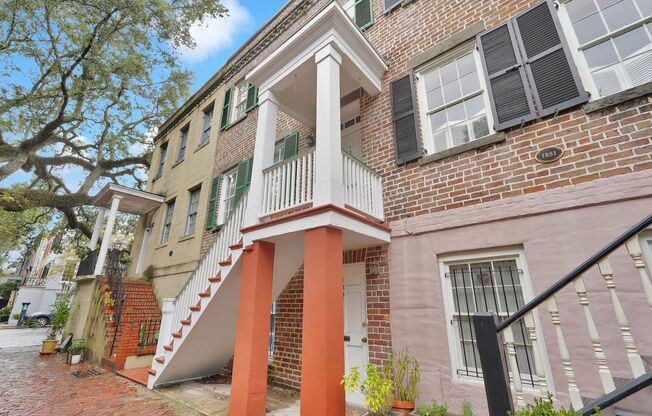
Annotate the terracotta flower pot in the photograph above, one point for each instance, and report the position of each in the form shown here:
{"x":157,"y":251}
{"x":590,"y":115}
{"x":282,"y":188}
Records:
{"x":48,"y":346}
{"x":402,"y":406}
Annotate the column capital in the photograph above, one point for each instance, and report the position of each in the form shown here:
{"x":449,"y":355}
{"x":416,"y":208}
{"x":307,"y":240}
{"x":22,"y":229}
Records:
{"x":328,"y":51}
{"x":267,"y":95}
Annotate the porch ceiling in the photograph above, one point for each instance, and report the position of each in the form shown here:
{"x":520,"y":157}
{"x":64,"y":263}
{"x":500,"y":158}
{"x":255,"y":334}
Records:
{"x":291,"y":72}
{"x":133,"y":201}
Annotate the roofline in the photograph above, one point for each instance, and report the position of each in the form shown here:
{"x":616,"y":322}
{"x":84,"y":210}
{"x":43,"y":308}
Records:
{"x":216,"y":78}
{"x":131,"y":191}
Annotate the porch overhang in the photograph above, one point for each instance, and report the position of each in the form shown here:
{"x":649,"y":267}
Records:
{"x":290,"y":72}
{"x":132,"y":201}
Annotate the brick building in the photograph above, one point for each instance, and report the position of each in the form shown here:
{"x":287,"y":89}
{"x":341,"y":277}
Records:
{"x":436,"y":158}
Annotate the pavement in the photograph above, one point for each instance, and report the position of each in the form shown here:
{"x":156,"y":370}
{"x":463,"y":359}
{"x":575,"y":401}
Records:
{"x":24,"y":337}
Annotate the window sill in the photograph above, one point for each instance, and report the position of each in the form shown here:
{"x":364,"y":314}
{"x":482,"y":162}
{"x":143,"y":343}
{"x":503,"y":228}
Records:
{"x":177,"y":163}
{"x":475,"y":144}
{"x":160,"y":246}
{"x":201,"y":146}
{"x":618,"y":98}
{"x":186,"y":238}
{"x":155,"y":178}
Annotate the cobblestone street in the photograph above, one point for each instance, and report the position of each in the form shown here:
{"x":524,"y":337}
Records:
{"x":35,"y":385}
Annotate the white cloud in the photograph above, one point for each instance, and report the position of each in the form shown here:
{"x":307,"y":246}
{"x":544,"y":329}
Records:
{"x":217,"y":34}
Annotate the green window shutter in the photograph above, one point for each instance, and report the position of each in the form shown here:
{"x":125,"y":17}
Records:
{"x":252,"y":97}
{"x":290,"y":146}
{"x":364,"y":16}
{"x":226,"y":109}
{"x":242,"y":180}
{"x":212,"y":203}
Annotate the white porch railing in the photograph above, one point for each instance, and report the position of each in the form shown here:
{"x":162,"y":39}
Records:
{"x":208,"y":266}
{"x":289,"y":184}
{"x":364,"y":189}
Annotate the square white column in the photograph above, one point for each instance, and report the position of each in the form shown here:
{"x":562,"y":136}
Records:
{"x":106,"y":240}
{"x":263,"y":154}
{"x":329,"y":181}
{"x":96,"y":229}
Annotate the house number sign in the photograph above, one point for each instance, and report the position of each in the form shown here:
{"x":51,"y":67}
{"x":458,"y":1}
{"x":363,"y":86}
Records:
{"x":549,"y":154}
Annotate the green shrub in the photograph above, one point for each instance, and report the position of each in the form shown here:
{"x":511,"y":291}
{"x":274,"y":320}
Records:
{"x":466,"y":409}
{"x":60,"y":313}
{"x":433,"y":409}
{"x":78,"y":347}
{"x":15,"y":316}
{"x":403,"y":370}
{"x":543,"y":407}
{"x":32,"y":323}
{"x":376,"y":389}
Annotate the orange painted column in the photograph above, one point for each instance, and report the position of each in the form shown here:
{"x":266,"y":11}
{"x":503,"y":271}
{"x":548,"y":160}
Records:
{"x":249,"y":384}
{"x":322,"y":361}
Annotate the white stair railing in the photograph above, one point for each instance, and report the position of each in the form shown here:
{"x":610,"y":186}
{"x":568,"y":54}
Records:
{"x":364,"y":189}
{"x":208,"y":266}
{"x":288,"y":184}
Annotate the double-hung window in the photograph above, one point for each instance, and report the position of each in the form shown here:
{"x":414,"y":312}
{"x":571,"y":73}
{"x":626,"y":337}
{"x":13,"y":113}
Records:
{"x":272,"y":328}
{"x":229,"y":181}
{"x":481,"y":284}
{"x":279,"y":151}
{"x":193,"y":208}
{"x":167,"y":221}
{"x":613,"y":41}
{"x":183,"y":143}
{"x":453,"y":102}
{"x":161,"y":161}
{"x":206,"y":126}
{"x":239,"y":106}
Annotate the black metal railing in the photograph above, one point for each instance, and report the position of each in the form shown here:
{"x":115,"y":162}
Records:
{"x":87,"y":264}
{"x":148,"y":332}
{"x":114,"y":274}
{"x":488,"y":328}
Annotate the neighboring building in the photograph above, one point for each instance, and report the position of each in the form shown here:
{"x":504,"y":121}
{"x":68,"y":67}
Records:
{"x":489,"y":149}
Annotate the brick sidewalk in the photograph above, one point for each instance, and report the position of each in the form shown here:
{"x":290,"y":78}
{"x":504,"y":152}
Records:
{"x":34,"y":385}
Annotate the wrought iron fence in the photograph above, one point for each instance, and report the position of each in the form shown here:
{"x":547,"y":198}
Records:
{"x":116,"y":285}
{"x":488,"y":289}
{"x":148,"y":332}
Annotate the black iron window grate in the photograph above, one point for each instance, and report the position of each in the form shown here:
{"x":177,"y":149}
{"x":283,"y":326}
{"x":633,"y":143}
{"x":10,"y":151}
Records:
{"x":488,"y":286}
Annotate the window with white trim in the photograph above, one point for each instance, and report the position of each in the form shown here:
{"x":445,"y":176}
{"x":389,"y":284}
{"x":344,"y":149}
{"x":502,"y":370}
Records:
{"x":279,"y":151}
{"x":452,"y":100}
{"x":228,"y":193}
{"x":183,"y":143}
{"x":239,"y":101}
{"x":206,"y":125}
{"x":612,"y":42}
{"x":193,"y":208}
{"x":167,"y":221}
{"x":161,"y":161}
{"x":481,"y":284}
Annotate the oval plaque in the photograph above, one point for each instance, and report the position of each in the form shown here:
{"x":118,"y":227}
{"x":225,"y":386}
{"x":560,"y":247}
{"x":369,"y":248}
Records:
{"x":549,"y":154}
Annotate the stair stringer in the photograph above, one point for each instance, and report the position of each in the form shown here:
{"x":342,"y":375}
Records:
{"x":207,"y":344}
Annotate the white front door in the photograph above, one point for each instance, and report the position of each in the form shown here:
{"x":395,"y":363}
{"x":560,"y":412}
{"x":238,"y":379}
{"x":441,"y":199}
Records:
{"x":356,"y":351}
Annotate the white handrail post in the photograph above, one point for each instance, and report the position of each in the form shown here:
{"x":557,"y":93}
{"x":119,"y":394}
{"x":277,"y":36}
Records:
{"x":635,"y":252}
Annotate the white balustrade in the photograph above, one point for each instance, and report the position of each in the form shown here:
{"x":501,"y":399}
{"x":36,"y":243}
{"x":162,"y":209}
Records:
{"x":603,"y":369}
{"x":635,"y":252}
{"x":573,"y":390}
{"x":536,"y":352}
{"x":633,"y":356}
{"x":363,"y":187}
{"x":513,"y":364}
{"x":209,"y":266}
{"x":289,"y":184}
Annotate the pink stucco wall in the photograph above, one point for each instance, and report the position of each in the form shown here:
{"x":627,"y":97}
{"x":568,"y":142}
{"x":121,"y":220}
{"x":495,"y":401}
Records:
{"x":554,"y":241}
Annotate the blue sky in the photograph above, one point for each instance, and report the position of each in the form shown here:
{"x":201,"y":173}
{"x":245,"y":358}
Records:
{"x":217,"y":42}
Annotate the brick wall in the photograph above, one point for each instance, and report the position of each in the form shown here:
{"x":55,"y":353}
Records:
{"x":285,"y":368}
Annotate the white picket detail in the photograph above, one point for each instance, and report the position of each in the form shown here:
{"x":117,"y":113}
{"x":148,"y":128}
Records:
{"x":209,"y":266}
{"x":364,"y":189}
{"x":573,"y":390}
{"x":288,"y":184}
{"x":536,"y":352}
{"x":513,"y":364}
{"x":603,"y":369}
{"x":635,"y":360}
{"x":635,"y":252}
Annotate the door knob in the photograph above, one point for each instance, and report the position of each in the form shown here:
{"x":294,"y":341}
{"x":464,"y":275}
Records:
{"x":364,"y":339}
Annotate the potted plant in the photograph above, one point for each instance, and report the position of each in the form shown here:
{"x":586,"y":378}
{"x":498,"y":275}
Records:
{"x":403,"y":370}
{"x":433,"y":409}
{"x":376,"y":389}
{"x":77,"y":349}
{"x":60,"y":312}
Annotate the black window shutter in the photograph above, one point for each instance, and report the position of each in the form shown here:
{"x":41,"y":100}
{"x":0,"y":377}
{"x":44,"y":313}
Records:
{"x":404,"y":117}
{"x":391,"y":4}
{"x":509,"y":95}
{"x":252,"y":97}
{"x":548,"y":62}
{"x":290,"y":146}
{"x":364,"y":16}
{"x":212,"y":203}
{"x":226,"y":109}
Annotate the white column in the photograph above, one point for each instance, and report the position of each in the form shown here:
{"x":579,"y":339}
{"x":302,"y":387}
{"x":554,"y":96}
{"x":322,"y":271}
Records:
{"x":143,"y":245}
{"x":329,"y":181}
{"x":263,"y":154}
{"x":96,"y":229}
{"x":104,"y":247}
